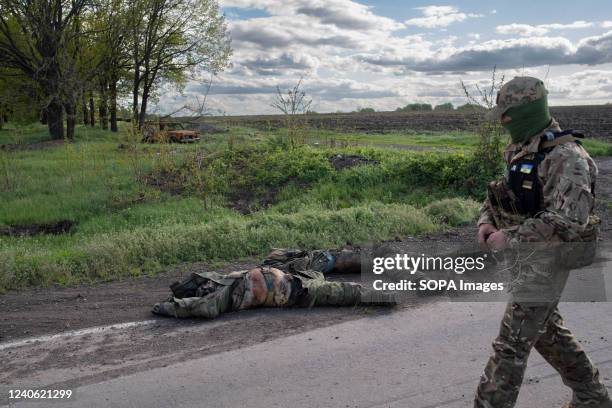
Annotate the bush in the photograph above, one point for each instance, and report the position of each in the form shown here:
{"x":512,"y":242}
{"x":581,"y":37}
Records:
{"x":453,"y":211}
{"x":415,"y":107}
{"x":444,"y":107}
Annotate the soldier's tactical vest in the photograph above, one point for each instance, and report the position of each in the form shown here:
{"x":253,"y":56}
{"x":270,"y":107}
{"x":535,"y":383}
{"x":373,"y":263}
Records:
{"x":523,"y":180}
{"x":525,"y":197}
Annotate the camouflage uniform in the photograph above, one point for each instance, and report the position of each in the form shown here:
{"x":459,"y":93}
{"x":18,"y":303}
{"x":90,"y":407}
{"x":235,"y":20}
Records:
{"x":286,"y":278}
{"x":567,"y":174}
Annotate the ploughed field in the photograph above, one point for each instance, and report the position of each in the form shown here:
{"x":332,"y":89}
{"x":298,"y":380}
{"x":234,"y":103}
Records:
{"x":594,"y":120}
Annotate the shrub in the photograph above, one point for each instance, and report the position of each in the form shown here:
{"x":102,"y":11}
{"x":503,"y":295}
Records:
{"x":453,"y":211}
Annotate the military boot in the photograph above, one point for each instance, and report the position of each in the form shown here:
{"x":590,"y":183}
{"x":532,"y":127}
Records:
{"x":378,"y":297}
{"x":347,"y":261}
{"x":165,"y":309}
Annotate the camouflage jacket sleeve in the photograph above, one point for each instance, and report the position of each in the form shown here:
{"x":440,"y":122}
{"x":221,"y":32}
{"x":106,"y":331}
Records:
{"x":486,"y":217}
{"x":567,"y":175}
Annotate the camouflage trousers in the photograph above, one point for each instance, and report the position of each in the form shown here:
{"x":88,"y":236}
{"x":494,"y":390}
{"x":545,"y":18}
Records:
{"x":321,"y":292}
{"x":529,"y":323}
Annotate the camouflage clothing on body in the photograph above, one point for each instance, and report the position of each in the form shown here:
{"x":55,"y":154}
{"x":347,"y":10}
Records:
{"x":286,"y":278}
{"x":567,"y":175}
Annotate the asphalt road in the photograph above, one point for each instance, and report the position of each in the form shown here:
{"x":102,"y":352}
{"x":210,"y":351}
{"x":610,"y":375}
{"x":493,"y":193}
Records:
{"x":431,"y":356}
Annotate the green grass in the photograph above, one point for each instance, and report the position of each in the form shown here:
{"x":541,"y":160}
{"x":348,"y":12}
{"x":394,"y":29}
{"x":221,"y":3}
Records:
{"x":140,"y":208}
{"x":148,"y":249}
{"x":434,"y":140}
{"x":23,"y":134}
{"x":597,"y":147}
{"x":441,"y":140}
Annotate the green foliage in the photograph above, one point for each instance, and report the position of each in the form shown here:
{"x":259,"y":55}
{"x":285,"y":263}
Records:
{"x":416,"y":107}
{"x":445,"y":107}
{"x":453,"y":211}
{"x":366,"y":110}
{"x":470,"y":107}
{"x":597,"y":147}
{"x":488,"y":153}
{"x":142,"y":207}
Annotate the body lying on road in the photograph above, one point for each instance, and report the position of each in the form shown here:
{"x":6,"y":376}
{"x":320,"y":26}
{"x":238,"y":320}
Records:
{"x":286,"y":278}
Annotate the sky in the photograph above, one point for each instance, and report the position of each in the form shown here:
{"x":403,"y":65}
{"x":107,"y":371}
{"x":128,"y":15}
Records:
{"x":385,"y":54}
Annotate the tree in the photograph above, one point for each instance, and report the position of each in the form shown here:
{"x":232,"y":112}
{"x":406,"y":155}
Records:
{"x":444,"y":107}
{"x":17,"y":97}
{"x":366,"y":110}
{"x":111,"y":20}
{"x":415,"y":107}
{"x":488,"y":151}
{"x":171,"y":39}
{"x":470,"y":107}
{"x":38,"y":38}
{"x":292,"y":102}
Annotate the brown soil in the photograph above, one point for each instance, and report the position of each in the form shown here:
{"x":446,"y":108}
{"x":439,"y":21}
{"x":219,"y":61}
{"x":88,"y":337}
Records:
{"x":594,"y":121}
{"x":247,"y":201}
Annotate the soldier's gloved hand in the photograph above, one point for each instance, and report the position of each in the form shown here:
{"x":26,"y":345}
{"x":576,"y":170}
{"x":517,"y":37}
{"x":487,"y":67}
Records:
{"x":484,"y":232}
{"x":497,"y":241}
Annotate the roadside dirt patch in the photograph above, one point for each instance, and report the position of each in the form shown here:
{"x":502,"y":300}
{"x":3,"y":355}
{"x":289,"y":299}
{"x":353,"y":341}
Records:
{"x":33,"y":312}
{"x":247,"y":201}
{"x":26,"y":230}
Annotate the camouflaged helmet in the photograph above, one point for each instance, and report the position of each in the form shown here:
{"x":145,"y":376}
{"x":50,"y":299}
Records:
{"x":517,"y":92}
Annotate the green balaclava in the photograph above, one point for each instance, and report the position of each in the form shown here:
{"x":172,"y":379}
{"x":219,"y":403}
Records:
{"x":528,"y":119}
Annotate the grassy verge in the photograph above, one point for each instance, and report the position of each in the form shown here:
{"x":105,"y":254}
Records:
{"x":140,"y":207}
{"x":434,"y":140}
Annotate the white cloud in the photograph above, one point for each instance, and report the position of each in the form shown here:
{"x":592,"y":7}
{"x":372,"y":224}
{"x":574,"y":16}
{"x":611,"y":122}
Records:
{"x":521,"y":29}
{"x":512,"y":53}
{"x":345,"y":14}
{"x":589,"y":86}
{"x":569,"y":26}
{"x":352,"y":57}
{"x":530,"y":30}
{"x":439,"y":17}
{"x":606,"y":24}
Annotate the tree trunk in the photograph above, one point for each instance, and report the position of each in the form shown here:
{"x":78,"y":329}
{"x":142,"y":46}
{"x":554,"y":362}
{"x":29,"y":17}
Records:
{"x":70,"y":118}
{"x":3,"y":115}
{"x":84,"y":108}
{"x":143,"y":107}
{"x":135,"y":97}
{"x":55,"y":118}
{"x":103,"y":109}
{"x":113,"y":106}
{"x":92,"y":110}
{"x":43,"y":116}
